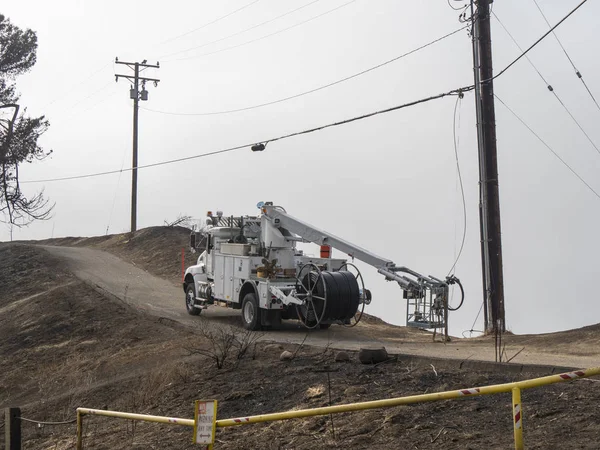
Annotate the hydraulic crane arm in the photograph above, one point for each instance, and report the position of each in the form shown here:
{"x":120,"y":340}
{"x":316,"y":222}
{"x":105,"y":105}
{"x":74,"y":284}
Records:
{"x":281,"y":219}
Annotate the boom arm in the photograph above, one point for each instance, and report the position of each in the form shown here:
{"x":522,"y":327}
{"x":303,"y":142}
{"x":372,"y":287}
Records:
{"x":384,"y":266}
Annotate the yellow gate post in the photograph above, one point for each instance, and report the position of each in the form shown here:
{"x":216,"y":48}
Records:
{"x":517,"y":418}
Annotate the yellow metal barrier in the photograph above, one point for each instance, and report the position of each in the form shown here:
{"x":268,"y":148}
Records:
{"x":514,"y":387}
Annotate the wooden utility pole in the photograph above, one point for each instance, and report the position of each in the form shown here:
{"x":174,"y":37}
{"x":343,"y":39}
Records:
{"x":136,"y":95}
{"x":489,"y":213}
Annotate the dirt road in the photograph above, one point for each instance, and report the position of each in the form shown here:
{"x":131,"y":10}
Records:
{"x":109,"y":274}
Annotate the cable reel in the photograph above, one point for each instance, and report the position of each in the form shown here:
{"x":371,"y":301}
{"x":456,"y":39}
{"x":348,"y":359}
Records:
{"x":328,"y":296}
{"x":311,"y":289}
{"x":364,"y":294}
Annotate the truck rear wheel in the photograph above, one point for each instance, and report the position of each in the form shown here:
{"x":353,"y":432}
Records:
{"x":250,"y":312}
{"x":190,"y":300}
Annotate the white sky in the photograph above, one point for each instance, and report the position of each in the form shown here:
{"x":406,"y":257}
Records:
{"x":387,"y":183}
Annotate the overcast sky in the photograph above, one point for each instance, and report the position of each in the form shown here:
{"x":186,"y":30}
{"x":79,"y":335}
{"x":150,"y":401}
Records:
{"x":387,"y":183}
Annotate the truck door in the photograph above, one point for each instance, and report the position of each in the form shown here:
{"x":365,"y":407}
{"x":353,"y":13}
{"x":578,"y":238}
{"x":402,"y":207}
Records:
{"x":228,"y":280}
{"x":219,"y":273}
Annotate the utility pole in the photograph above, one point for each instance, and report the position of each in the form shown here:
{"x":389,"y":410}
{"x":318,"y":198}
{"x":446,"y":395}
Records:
{"x":489,"y":204}
{"x":136,"y":95}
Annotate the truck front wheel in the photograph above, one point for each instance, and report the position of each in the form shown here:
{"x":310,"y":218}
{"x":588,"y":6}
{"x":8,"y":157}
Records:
{"x":190,"y":300}
{"x":250,"y":312}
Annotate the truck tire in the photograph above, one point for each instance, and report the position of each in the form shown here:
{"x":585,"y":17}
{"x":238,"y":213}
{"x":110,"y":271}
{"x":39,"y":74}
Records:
{"x":250,"y":312}
{"x":190,"y":295}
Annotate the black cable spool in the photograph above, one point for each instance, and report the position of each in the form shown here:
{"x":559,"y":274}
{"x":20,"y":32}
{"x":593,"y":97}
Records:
{"x":353,"y":296}
{"x":335,"y":295}
{"x":311,"y":316}
{"x":341,"y":290}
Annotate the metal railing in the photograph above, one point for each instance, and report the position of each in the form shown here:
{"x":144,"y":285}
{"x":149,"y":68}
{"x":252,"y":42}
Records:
{"x":514,"y":387}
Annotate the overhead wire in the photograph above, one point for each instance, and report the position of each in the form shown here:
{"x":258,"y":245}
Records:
{"x":320,"y":88}
{"x":96,"y":71}
{"x":265,"y":141}
{"x":265,"y":36}
{"x":452,"y":92}
{"x":69,"y":91}
{"x":209,"y":23}
{"x":577,"y":72}
{"x":523,"y":54}
{"x":104,"y":87}
{"x":536,"y":42}
{"x":239,"y":32}
{"x":548,"y":147}
{"x":548,"y":85}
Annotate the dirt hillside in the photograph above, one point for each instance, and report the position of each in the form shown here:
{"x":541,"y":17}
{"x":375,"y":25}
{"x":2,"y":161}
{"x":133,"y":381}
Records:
{"x":157,"y":250}
{"x":64,"y":345}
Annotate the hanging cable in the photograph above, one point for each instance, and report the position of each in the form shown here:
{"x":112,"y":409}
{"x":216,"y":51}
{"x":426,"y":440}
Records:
{"x":548,"y":147}
{"x":320,"y":88}
{"x":239,"y":32}
{"x":263,"y":144}
{"x":462,"y":190}
{"x":472,"y":330}
{"x":460,"y":8}
{"x":549,"y":86}
{"x":577,"y":72}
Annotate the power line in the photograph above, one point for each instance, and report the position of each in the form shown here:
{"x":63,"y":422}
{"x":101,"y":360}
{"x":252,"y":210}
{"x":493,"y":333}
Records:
{"x":239,"y":32}
{"x":104,"y":87}
{"x":577,"y":72}
{"x":266,"y":36}
{"x":370,"y":69}
{"x":549,"y":86}
{"x":452,"y":92}
{"x":537,"y":42}
{"x":548,"y":147}
{"x":70,"y":90}
{"x":266,"y":141}
{"x":523,"y":54}
{"x":94,"y":72}
{"x":208,"y":24}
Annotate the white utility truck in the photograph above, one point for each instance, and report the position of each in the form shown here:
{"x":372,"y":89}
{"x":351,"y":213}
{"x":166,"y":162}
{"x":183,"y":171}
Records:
{"x":252,"y":263}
